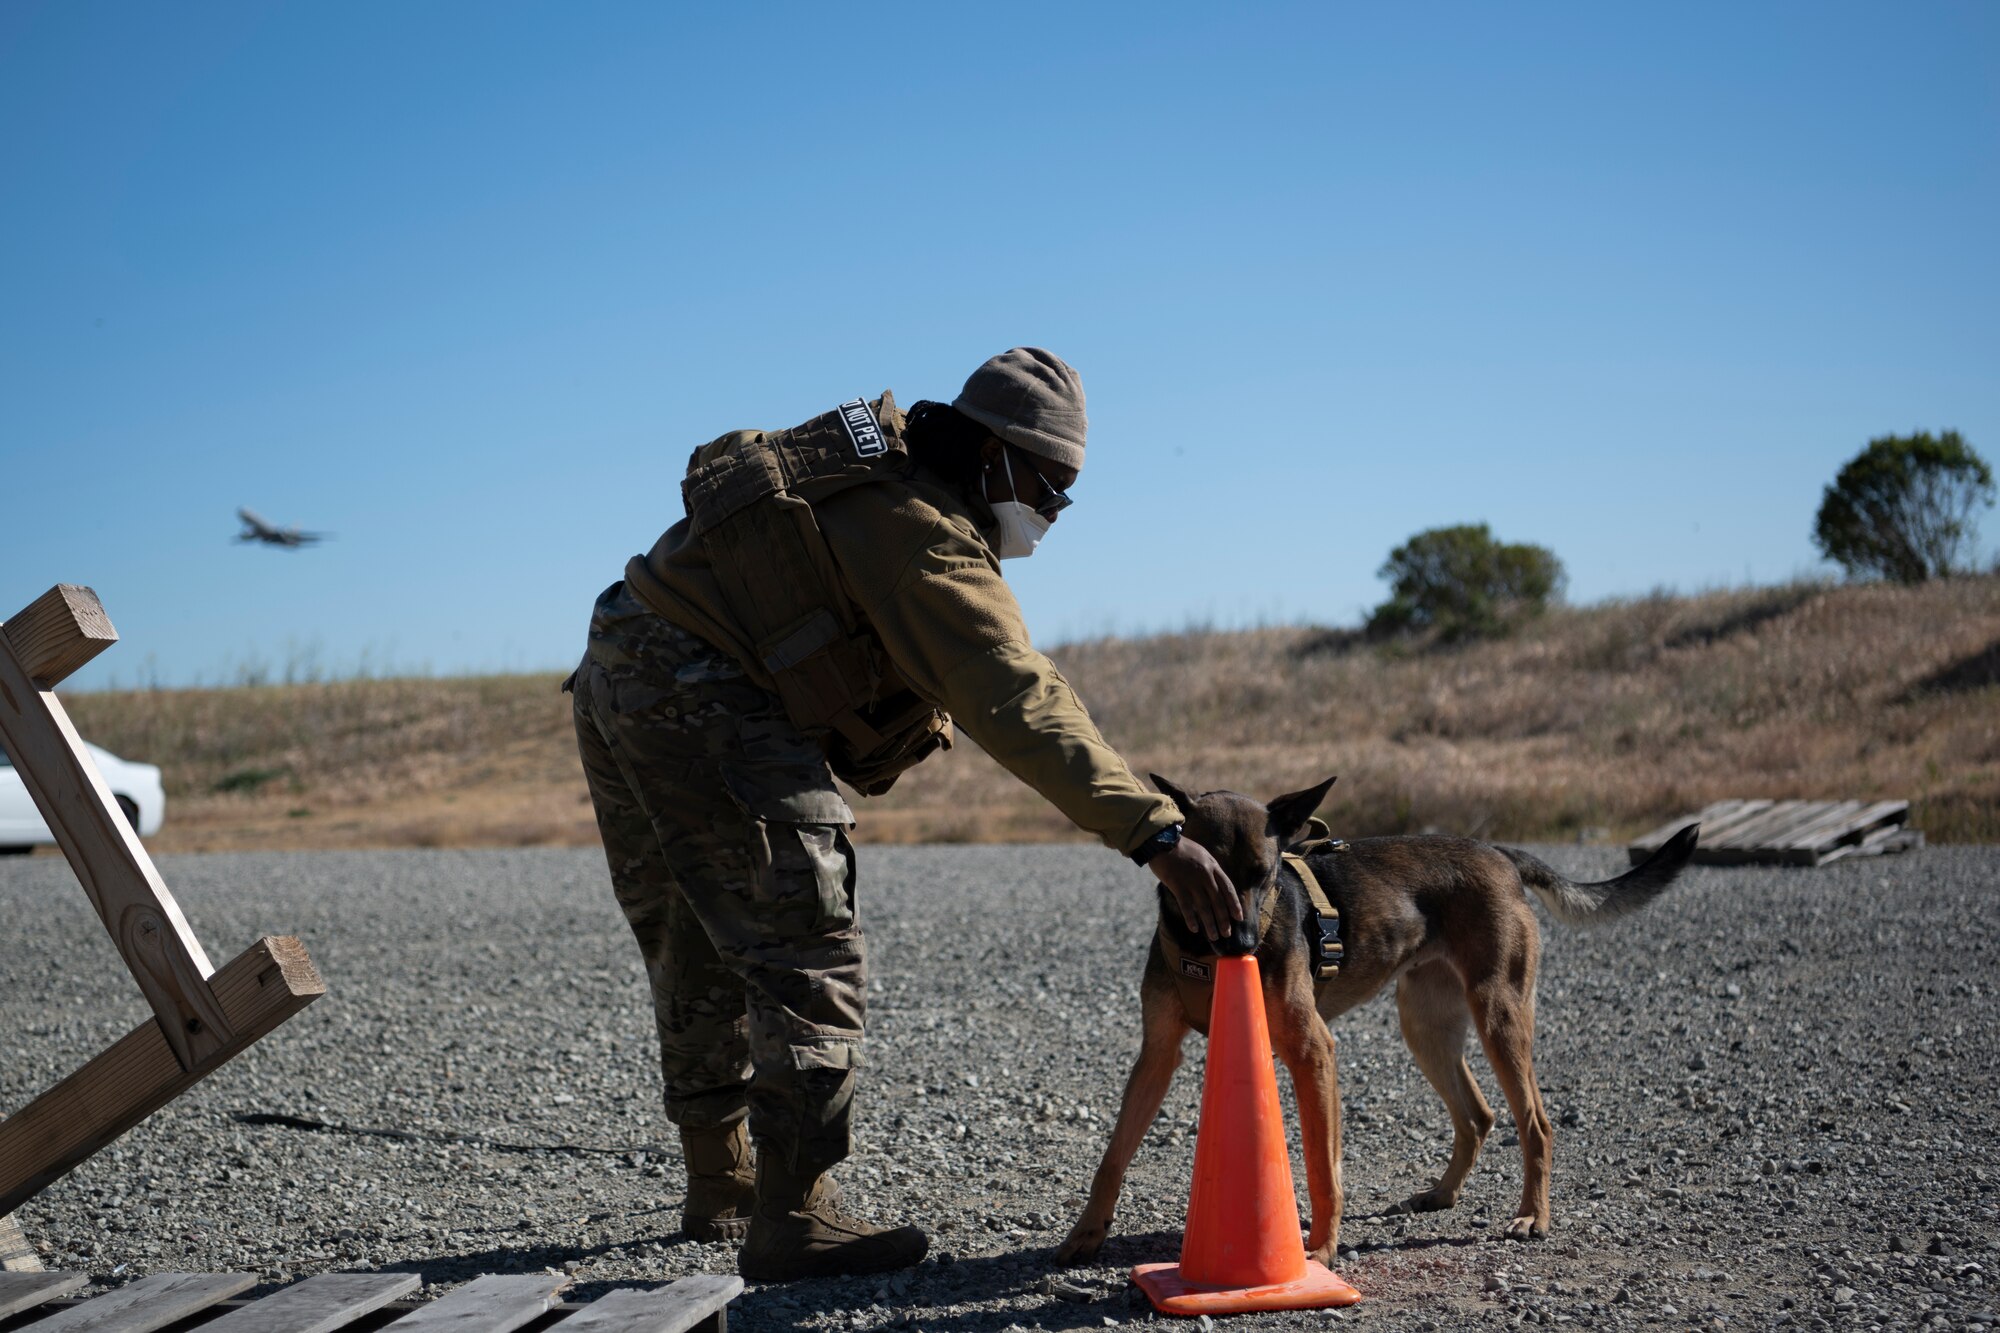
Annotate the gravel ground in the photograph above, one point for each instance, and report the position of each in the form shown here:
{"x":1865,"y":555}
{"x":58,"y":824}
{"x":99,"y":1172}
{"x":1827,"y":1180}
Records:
{"x":1774,"y":1095}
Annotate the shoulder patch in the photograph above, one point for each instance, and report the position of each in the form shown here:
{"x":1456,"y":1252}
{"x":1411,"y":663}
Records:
{"x":1198,"y":971}
{"x":862,"y":428}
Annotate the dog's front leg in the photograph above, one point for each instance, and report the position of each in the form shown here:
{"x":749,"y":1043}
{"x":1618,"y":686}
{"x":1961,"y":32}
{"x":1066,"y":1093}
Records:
{"x":1307,"y":1049}
{"x":1165,"y":1025}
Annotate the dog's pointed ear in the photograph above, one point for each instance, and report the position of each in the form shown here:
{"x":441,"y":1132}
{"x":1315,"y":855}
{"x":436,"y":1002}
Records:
{"x":1166,"y":788}
{"x":1290,"y":812}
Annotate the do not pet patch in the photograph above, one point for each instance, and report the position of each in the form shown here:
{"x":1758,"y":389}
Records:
{"x":862,"y":428}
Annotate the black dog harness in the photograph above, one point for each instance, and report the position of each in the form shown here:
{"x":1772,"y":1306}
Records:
{"x":1323,"y":923}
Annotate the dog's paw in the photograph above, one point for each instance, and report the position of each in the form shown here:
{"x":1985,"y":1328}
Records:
{"x":1433,"y":1200}
{"x":1526,"y":1228}
{"x":1323,"y":1254}
{"x":1085,"y":1239}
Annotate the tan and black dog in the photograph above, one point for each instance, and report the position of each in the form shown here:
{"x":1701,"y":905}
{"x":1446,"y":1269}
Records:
{"x":1447,"y":919}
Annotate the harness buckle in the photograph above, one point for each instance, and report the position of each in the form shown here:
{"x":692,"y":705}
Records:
{"x":1323,"y":937}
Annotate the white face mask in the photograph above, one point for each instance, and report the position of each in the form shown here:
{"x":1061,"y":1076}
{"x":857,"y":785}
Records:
{"x":1021,"y":528}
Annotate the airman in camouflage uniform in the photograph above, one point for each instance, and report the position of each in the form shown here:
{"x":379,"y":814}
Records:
{"x":729,"y":854}
{"x":833,"y":594}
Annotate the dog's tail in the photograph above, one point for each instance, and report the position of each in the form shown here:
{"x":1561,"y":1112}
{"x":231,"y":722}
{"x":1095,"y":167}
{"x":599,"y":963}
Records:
{"x":1576,"y":904}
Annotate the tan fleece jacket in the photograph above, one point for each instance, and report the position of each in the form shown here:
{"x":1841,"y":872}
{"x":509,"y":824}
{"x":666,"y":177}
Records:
{"x":916,"y":568}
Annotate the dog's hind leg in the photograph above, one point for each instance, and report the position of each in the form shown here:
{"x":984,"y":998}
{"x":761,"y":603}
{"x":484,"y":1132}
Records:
{"x":1430,"y":1000}
{"x":1503,"y":1005}
{"x":1164,"y":1026}
{"x":1304,"y":1044}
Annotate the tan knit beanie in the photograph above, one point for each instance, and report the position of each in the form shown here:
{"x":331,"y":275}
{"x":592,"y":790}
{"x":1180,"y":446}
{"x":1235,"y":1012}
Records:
{"x":1029,"y":398}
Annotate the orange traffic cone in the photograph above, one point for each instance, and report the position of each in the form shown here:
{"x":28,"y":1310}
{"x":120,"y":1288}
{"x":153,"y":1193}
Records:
{"x":1242,"y":1249}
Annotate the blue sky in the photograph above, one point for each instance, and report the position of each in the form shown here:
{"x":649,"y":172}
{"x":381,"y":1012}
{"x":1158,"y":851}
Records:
{"x":463,"y":283}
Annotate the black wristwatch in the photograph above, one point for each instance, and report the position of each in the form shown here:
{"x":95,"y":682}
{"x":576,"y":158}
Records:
{"x":1156,"y":844}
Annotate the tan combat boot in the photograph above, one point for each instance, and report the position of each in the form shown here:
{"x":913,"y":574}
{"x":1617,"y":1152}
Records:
{"x":722,"y":1184}
{"x":797,"y":1230}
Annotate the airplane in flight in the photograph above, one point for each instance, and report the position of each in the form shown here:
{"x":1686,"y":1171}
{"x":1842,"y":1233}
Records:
{"x":255,"y":529}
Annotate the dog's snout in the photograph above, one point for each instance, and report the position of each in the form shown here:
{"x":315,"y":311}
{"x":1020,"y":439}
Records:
{"x":1243,"y":938}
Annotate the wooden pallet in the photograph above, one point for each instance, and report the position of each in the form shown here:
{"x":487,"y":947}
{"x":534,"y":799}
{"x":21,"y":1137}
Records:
{"x":1789,"y":833}
{"x":357,"y":1303}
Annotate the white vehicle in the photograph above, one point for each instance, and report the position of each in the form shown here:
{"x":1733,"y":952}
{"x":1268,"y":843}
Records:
{"x":136,"y":786}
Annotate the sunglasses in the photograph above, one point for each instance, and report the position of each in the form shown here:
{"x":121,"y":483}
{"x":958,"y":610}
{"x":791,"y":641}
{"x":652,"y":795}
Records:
{"x":1055,"y":500}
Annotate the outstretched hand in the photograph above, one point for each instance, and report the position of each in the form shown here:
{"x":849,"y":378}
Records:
{"x":1207,"y":899}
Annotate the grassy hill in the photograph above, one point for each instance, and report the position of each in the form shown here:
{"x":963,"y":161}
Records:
{"x":1595,"y":722}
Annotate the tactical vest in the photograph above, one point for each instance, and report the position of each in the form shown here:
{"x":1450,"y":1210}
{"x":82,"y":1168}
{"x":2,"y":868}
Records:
{"x":750,"y":501}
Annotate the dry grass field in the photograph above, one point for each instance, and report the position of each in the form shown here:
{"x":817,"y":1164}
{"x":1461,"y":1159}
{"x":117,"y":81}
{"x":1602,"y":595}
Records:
{"x":1592,"y":723}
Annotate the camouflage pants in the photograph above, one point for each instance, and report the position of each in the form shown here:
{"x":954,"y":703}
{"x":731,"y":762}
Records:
{"x":728,"y":848}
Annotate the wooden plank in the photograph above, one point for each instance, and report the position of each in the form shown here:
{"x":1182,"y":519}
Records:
{"x":1836,"y":838}
{"x":1896,"y":838}
{"x":16,"y":1255}
{"x":318,"y":1304}
{"x":1800,"y":848}
{"x":147,"y":1304}
{"x":24,"y":1291}
{"x":487,"y":1305}
{"x":1714,"y":826}
{"x":1780,"y":832}
{"x":1749,"y":817}
{"x":1653,"y":841}
{"x":1850,"y":829}
{"x":1704,"y":856}
{"x":1833,"y":814}
{"x":1877,"y":839}
{"x":1640,"y":848}
{"x":1705,"y":853}
{"x":144,"y":920}
{"x":1719,"y":828}
{"x":1878,"y":842}
{"x":57,"y":633}
{"x":268,"y":983}
{"x":676,"y":1308}
{"x":1749,"y":832}
{"x":1838,"y":817}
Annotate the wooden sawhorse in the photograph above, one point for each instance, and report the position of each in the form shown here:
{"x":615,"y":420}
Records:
{"x":202,"y":1015}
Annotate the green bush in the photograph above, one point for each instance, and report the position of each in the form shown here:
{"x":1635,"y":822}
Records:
{"x":1903,"y":508}
{"x":1464,"y":584}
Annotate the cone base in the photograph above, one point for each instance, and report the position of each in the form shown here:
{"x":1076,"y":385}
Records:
{"x":1319,"y":1289}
